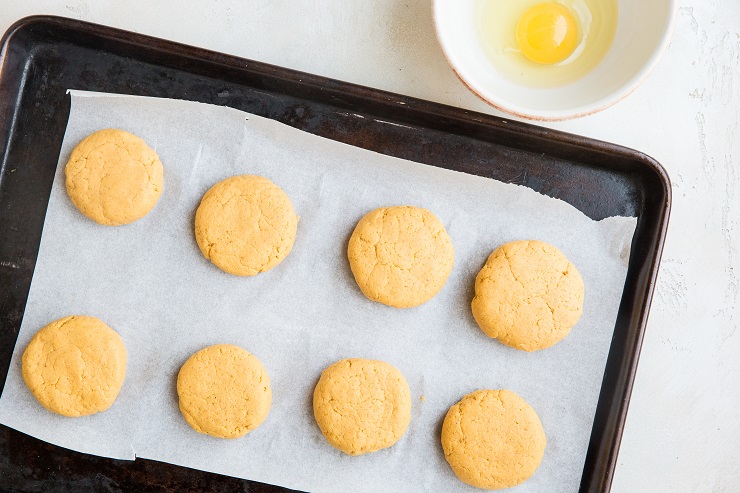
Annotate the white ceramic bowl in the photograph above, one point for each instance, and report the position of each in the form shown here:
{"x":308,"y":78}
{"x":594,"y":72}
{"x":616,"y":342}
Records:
{"x":643,"y":32}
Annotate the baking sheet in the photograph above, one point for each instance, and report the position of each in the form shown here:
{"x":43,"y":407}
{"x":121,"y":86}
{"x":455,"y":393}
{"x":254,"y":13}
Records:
{"x":149,"y":281}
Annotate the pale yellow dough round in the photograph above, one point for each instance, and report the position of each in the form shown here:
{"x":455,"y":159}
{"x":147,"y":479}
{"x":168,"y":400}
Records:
{"x":528,"y":295}
{"x":75,"y":366}
{"x":245,"y":225}
{"x":362,"y":405}
{"x":224,"y":391}
{"x":400,"y":256}
{"x":493,"y":439}
{"x":113,"y":177}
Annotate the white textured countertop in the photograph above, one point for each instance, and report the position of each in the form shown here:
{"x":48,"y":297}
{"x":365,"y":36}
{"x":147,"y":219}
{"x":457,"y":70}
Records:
{"x":683,"y":428}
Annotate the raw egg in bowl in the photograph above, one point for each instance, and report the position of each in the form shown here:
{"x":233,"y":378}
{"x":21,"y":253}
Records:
{"x":553,"y":59}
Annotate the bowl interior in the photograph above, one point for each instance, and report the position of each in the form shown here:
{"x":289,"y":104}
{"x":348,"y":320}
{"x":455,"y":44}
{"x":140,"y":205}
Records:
{"x":643,"y":31}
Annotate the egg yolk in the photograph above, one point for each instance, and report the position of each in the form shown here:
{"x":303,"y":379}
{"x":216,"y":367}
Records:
{"x":547,"y":33}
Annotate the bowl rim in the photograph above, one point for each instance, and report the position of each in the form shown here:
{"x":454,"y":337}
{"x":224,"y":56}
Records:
{"x":580,"y":111}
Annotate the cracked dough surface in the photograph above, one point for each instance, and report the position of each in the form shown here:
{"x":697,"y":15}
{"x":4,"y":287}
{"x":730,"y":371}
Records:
{"x":528,"y":295}
{"x":493,"y":439}
{"x":113,"y":177}
{"x":75,"y":366}
{"x":245,"y":225}
{"x":224,"y":391}
{"x":362,"y":405}
{"x":400,"y":256}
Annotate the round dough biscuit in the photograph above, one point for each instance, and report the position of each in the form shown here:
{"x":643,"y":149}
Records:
{"x":362,"y":405}
{"x":245,"y":225}
{"x":493,"y":439}
{"x":528,"y":295}
{"x":75,"y":366}
{"x":224,"y":391}
{"x":113,"y":177}
{"x":400,"y":256}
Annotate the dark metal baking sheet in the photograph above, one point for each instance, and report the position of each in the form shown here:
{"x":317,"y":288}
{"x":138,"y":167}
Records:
{"x":44,"y":56}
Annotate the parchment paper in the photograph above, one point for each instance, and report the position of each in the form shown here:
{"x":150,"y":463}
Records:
{"x":149,"y":281}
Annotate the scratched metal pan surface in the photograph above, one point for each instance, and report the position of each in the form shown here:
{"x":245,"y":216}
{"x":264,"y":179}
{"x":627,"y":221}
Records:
{"x":44,"y":56}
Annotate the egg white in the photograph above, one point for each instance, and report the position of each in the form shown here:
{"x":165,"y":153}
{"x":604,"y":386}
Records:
{"x":496,"y":22}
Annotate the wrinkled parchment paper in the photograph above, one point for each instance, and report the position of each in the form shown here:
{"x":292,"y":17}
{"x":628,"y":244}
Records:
{"x":149,"y":281}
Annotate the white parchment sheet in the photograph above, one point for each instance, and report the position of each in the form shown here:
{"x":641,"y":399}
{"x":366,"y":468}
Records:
{"x":149,"y":281}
